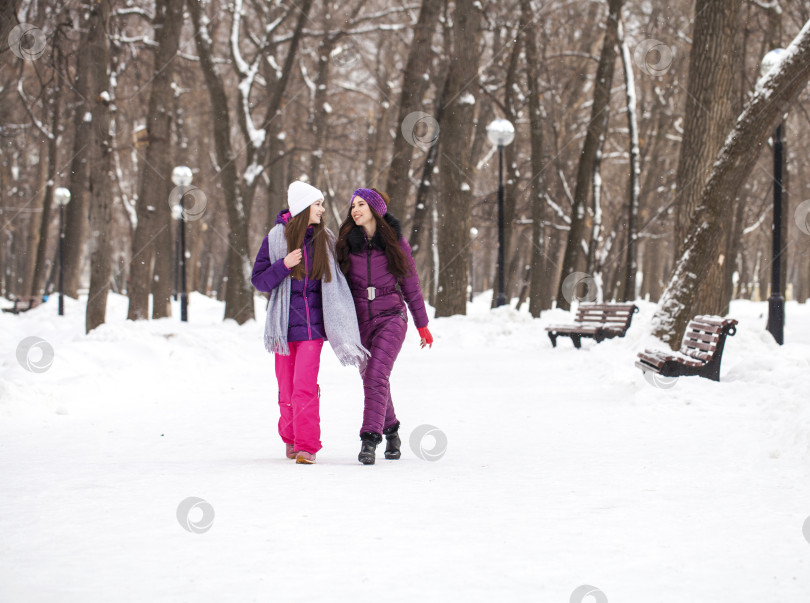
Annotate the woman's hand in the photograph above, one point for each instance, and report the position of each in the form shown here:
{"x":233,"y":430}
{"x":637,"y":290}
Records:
{"x":427,"y":338}
{"x":293,"y":259}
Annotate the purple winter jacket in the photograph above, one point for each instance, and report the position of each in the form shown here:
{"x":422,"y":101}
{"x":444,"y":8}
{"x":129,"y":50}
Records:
{"x":306,"y":307}
{"x":369,"y":268}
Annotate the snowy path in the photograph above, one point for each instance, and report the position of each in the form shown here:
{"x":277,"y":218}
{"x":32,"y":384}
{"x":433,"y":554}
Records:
{"x":562,"y":468}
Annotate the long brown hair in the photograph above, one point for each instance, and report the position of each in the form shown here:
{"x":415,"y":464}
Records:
{"x":398,"y":264}
{"x":294,"y":232}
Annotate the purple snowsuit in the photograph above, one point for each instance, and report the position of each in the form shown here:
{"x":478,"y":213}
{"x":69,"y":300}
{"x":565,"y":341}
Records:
{"x":306,"y":309}
{"x":381,"y":316}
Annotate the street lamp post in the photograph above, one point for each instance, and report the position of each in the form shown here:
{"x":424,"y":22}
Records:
{"x":776,"y":302}
{"x":473,"y":234}
{"x":500,"y":132}
{"x":176,"y":264}
{"x":181,"y":177}
{"x":62,"y":196}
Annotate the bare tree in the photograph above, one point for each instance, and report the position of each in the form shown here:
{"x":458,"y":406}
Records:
{"x":634,"y":185}
{"x":510,"y":108}
{"x":100,"y":161}
{"x":707,"y":119}
{"x":540,"y":280}
{"x":239,"y":195}
{"x":238,"y":302}
{"x":76,"y":222}
{"x":309,"y":112}
{"x":414,"y":86}
{"x":8,"y":20}
{"x":153,"y":200}
{"x":775,"y":93}
{"x":576,"y":249}
{"x":53,"y":104}
{"x":426,"y":189}
{"x":454,"y":209}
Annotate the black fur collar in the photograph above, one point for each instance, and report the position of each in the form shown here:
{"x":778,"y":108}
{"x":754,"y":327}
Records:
{"x":357,"y":236}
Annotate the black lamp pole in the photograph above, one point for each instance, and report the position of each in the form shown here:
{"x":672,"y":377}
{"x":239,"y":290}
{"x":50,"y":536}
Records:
{"x":776,"y":302}
{"x":500,"y":133}
{"x":501,"y":299}
{"x":61,"y":259}
{"x":183,"y":295}
{"x":62,"y":197}
{"x":176,"y":267}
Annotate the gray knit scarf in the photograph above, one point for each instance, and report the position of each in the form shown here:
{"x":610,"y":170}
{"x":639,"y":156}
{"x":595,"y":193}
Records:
{"x":339,"y":317}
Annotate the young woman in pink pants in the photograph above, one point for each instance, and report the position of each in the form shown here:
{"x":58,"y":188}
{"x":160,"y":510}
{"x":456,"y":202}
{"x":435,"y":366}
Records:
{"x":310,"y":302}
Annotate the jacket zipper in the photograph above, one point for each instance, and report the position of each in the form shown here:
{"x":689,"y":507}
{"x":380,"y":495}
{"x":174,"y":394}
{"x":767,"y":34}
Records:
{"x":306,"y":279}
{"x":368,"y":261}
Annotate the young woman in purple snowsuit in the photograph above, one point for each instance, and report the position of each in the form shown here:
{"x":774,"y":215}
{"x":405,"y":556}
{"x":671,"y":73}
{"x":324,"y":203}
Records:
{"x":378,"y":264}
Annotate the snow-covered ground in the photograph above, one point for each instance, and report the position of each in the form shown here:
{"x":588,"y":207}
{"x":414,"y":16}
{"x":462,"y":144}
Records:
{"x":562,"y":467}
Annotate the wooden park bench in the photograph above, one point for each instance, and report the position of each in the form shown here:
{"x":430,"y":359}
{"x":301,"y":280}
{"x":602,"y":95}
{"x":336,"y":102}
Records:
{"x":23,"y":304}
{"x":595,"y":321}
{"x":700,"y":353}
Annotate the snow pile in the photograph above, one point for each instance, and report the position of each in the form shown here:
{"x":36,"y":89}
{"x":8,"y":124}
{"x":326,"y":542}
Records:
{"x":562,"y":467}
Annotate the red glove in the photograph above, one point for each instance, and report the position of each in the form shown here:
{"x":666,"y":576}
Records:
{"x":427,"y":338}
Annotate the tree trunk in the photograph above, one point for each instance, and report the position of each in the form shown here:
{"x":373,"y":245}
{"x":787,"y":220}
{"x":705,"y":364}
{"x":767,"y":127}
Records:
{"x":422,"y":201}
{"x":540,"y":286}
{"x":631,"y":259}
{"x":593,"y":267}
{"x":734,"y":240}
{"x":277,"y":189}
{"x":76,"y":222}
{"x":371,"y":139}
{"x":513,"y":269}
{"x":735,"y":161}
{"x":414,"y":85}
{"x":651,"y":260}
{"x":320,"y":115}
{"x":802,"y":291}
{"x":34,"y":229}
{"x":707,"y":118}
{"x":8,"y":21}
{"x":238,"y":294}
{"x":733,"y":245}
{"x":762,"y":274}
{"x":5,"y":267}
{"x":576,"y":246}
{"x":434,"y":247}
{"x":274,"y":161}
{"x":152,"y":207}
{"x":378,"y":128}
{"x":101,"y":201}
{"x":454,"y":211}
{"x":38,"y":281}
{"x":239,"y":194}
{"x":164,"y":261}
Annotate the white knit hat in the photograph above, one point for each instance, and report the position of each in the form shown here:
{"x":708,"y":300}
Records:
{"x":301,"y":195}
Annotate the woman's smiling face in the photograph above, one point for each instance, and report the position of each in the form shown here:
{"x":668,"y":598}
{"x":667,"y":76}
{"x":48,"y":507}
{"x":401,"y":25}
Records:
{"x":316,"y":211}
{"x":361,"y":212}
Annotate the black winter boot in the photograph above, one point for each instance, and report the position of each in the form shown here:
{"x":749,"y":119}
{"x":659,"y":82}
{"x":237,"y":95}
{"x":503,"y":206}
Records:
{"x":393,"y":442}
{"x":370,"y":440}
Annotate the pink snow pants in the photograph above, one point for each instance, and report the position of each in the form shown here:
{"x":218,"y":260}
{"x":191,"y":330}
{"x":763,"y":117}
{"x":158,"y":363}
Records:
{"x":299,"y":395}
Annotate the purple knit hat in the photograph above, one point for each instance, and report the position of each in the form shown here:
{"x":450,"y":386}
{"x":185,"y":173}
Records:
{"x":373,"y":198}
